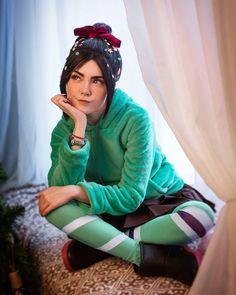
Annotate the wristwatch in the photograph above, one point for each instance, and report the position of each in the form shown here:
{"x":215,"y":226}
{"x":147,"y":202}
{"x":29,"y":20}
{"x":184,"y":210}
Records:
{"x":74,"y":142}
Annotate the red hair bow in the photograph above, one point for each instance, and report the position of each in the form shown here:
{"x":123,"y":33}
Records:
{"x":93,"y":32}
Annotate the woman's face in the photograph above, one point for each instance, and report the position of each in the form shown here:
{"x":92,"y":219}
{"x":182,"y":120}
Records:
{"x":87,"y":91}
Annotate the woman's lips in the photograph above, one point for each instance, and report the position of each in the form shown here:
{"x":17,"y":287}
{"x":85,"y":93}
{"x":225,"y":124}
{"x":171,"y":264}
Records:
{"x":83,"y":101}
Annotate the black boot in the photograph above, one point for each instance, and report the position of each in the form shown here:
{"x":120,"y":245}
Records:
{"x":77,"y":255}
{"x":167,"y":261}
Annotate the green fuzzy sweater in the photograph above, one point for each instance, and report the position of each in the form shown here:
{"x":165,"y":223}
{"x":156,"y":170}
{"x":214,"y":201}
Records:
{"x":120,"y":164}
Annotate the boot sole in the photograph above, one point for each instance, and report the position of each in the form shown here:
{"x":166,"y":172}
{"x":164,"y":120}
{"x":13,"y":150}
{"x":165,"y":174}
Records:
{"x":64,"y":253}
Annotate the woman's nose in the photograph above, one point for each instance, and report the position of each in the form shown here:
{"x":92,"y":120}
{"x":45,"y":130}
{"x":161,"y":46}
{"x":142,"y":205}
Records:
{"x":85,"y":89}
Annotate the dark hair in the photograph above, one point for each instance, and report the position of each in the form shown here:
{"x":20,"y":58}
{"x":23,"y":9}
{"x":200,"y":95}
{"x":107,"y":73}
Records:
{"x":98,"y":49}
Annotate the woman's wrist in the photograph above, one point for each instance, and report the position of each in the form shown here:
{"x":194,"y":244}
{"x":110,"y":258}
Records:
{"x":76,"y":141}
{"x":75,"y":191}
{"x":78,"y":133}
{"x":79,"y":128}
{"x":80,"y":194}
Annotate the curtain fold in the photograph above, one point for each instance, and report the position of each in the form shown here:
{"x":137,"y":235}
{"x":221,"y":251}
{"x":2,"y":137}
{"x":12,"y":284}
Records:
{"x":6,"y":59}
{"x":37,"y":72}
{"x":8,"y":115}
{"x":187,"y":54}
{"x":30,"y":69}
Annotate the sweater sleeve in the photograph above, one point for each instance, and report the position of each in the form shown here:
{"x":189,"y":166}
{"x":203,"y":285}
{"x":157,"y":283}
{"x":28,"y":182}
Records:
{"x":68,"y":166}
{"x":128,"y":194}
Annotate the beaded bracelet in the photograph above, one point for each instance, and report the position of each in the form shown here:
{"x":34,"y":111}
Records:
{"x":75,"y":136}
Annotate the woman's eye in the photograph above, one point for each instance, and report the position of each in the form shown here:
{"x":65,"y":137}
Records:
{"x":75,"y":77}
{"x":97,"y":81}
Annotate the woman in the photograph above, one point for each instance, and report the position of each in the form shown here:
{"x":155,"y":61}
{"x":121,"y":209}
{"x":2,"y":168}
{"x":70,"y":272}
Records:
{"x":112,"y":190}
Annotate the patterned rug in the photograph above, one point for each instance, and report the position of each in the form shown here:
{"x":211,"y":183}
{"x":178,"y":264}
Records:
{"x":109,"y":277}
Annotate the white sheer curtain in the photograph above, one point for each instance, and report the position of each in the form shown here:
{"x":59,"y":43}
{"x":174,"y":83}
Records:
{"x":43,"y":34}
{"x":187,"y":53}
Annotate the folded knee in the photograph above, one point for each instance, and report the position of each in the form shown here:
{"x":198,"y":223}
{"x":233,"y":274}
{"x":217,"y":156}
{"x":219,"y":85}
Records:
{"x":194,"y":221}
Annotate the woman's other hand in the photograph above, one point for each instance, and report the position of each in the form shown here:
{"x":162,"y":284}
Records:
{"x":56,"y":196}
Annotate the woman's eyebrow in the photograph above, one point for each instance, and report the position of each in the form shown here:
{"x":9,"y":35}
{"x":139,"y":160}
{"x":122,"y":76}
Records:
{"x":93,"y":77}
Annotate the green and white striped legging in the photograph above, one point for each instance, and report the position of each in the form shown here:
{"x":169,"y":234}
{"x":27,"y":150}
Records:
{"x":186,"y":223}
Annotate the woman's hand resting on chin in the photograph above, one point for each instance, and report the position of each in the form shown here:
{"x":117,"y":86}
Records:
{"x":64,"y":104}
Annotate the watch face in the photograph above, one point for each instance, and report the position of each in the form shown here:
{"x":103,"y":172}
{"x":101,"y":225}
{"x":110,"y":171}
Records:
{"x":76,"y":142}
